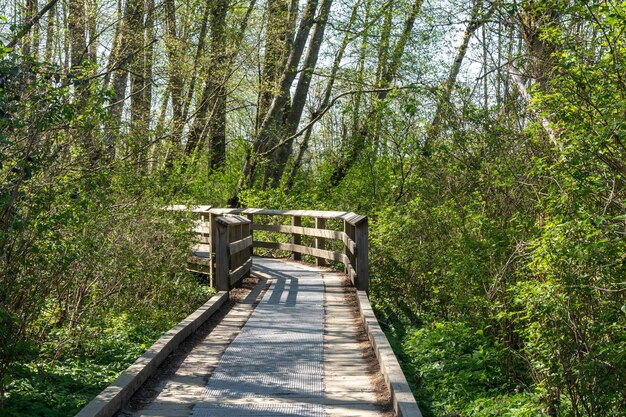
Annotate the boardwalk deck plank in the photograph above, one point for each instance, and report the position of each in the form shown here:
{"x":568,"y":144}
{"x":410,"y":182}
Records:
{"x":301,"y":352}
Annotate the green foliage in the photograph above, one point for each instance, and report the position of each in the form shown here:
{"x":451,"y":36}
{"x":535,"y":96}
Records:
{"x":83,"y":238}
{"x":459,"y":368}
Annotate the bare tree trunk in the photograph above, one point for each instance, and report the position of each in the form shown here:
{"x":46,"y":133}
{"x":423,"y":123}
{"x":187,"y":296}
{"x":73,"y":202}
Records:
{"x":302,"y":88}
{"x":304,"y":144}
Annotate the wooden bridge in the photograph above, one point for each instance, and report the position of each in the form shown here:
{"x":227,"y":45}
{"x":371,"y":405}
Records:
{"x":290,"y":332}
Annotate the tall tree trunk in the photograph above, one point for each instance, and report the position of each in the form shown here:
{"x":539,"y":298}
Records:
{"x":302,"y":89}
{"x":281,"y":74}
{"x":29,"y":23}
{"x":196,"y":61}
{"x":119,"y":63}
{"x":50,"y":33}
{"x":276,"y":44}
{"x":304,"y":144}
{"x":29,"y":14}
{"x":92,"y":29}
{"x":148,"y":62}
{"x":116,"y":48}
{"x":273,"y":128}
{"x":138,"y":110}
{"x":149,"y":55}
{"x":535,"y":17}
{"x":77,"y":29}
{"x":215,"y":86}
{"x":174,"y":49}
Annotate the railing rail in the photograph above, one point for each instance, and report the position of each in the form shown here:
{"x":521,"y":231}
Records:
{"x":353,"y":235}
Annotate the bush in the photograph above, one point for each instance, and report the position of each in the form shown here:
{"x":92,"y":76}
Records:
{"x":462,"y":371}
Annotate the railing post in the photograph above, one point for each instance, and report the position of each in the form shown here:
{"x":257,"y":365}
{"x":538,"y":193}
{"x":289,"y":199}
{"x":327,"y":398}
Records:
{"x":348,"y":229}
{"x":213,"y":237}
{"x":362,"y":248}
{"x":222,"y":257}
{"x":205,"y":220}
{"x":295,"y":237}
{"x":320,"y":223}
{"x":248,"y":231}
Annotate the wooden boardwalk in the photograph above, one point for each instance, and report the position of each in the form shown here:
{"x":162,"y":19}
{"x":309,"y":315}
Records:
{"x":293,"y":347}
{"x":304,"y":342}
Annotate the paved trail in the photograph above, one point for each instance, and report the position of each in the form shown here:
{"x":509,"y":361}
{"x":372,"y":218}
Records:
{"x":300,"y":353}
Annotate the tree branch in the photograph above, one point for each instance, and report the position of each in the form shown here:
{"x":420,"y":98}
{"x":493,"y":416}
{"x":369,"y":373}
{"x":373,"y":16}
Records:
{"x":28,"y":25}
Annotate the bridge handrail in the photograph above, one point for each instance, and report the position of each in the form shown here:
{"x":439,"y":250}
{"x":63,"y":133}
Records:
{"x":354,"y":236}
{"x":233,"y":251}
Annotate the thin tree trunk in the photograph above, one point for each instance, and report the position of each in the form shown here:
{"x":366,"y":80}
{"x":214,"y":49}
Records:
{"x":196,"y":62}
{"x":121,"y":56}
{"x":50,"y":33}
{"x":174,"y":47}
{"x":149,"y":55}
{"x":116,"y":48}
{"x":304,"y":144}
{"x":206,"y":107}
{"x":148,"y":58}
{"x":273,"y":127}
{"x":29,"y":24}
{"x":273,"y":123}
{"x":211,"y":106}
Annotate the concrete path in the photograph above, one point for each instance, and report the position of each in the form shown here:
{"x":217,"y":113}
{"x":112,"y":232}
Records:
{"x":301,"y":353}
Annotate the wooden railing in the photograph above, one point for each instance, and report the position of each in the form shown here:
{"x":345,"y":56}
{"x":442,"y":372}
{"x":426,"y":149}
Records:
{"x":322,"y":229}
{"x":233,"y":250}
